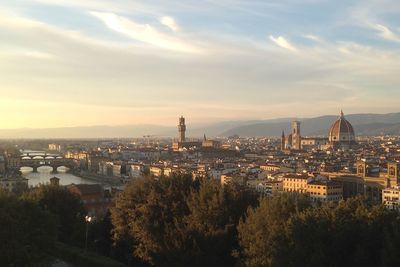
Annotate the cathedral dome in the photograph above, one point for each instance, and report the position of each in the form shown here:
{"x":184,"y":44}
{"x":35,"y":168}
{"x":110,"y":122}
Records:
{"x":341,"y":131}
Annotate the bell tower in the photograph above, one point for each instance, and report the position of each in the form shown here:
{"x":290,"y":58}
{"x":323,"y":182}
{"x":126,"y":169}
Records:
{"x":296,"y":135}
{"x":182,"y":129}
{"x":283,"y":141}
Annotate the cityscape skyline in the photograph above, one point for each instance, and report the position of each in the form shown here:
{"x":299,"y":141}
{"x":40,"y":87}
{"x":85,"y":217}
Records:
{"x":153,"y":133}
{"x":120,"y":63}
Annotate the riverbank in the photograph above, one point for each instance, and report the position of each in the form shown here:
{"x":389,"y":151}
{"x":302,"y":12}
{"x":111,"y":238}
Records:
{"x":104,"y":180}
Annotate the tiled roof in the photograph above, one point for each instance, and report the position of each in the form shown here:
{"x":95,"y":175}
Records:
{"x":88,"y":189}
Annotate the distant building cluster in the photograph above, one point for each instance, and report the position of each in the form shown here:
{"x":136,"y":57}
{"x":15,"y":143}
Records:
{"x":183,"y":144}
{"x":341,"y":136}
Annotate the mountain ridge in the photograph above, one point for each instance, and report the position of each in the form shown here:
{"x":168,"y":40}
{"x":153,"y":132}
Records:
{"x":363,"y":123}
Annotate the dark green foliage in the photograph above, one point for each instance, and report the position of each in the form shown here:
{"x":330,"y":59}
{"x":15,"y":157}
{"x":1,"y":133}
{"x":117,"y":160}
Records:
{"x":283,"y":233}
{"x":66,"y":207}
{"x":177,"y":222}
{"x":174,"y":221}
{"x":215,"y":211}
{"x":99,"y":238}
{"x":27,"y":233}
{"x":262,"y":233}
{"x":391,"y":240}
{"x":150,"y":212}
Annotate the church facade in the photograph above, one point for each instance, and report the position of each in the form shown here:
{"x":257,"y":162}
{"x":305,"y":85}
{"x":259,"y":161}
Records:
{"x":341,"y":135}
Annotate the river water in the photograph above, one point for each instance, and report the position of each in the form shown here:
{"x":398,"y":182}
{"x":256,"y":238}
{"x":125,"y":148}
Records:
{"x":43,"y":175}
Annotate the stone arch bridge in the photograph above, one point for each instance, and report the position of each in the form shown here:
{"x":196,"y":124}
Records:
{"x":54,"y":161}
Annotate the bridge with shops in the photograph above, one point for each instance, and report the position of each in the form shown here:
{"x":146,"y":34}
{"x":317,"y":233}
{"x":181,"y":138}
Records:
{"x":37,"y":160}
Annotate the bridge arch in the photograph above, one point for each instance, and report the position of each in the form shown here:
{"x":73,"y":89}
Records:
{"x":63,"y":169}
{"x":45,"y":168}
{"x":37,"y":162}
{"x":26,"y":169}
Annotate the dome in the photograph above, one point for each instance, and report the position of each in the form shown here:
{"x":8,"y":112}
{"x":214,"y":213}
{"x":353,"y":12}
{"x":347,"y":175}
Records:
{"x":341,"y":131}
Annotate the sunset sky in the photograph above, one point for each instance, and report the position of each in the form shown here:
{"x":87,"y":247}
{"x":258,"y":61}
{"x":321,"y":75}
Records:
{"x":94,"y":62}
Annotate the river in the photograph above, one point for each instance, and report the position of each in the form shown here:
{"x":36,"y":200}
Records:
{"x":43,"y":175}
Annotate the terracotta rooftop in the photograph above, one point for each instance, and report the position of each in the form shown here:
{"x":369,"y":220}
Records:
{"x":87,"y":189}
{"x":341,"y":126}
{"x":297,"y":176}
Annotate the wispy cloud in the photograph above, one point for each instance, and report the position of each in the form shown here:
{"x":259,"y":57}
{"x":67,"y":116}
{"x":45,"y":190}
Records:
{"x":282,"y":42}
{"x":386,"y":33}
{"x":170,"y":23}
{"x":38,"y":54}
{"x":313,"y":38}
{"x":144,"y":33}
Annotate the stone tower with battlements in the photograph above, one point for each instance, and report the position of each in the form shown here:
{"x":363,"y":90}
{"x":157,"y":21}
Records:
{"x":182,"y":129}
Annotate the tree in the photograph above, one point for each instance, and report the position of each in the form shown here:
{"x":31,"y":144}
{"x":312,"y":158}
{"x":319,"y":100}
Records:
{"x":27,"y":233}
{"x":150,"y":213}
{"x":67,"y":209}
{"x":214,"y":213}
{"x":100,"y":233}
{"x":352,"y":230}
{"x":391,"y":242}
{"x":283,"y":233}
{"x":262,"y":233}
{"x":175,"y":221}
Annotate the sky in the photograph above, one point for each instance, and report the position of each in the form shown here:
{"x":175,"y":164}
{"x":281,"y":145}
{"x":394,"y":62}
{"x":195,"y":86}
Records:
{"x":67,"y":63}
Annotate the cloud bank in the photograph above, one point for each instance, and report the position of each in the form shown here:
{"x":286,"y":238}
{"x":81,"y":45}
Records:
{"x":121,"y":63}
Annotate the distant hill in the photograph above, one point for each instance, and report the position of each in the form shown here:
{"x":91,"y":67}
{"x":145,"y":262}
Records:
{"x":89,"y":132}
{"x":125,"y":131}
{"x":217,"y":128}
{"x":364,"y":124}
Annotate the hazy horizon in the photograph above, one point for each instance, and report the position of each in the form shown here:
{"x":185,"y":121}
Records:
{"x":194,"y":124}
{"x":364,"y":123}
